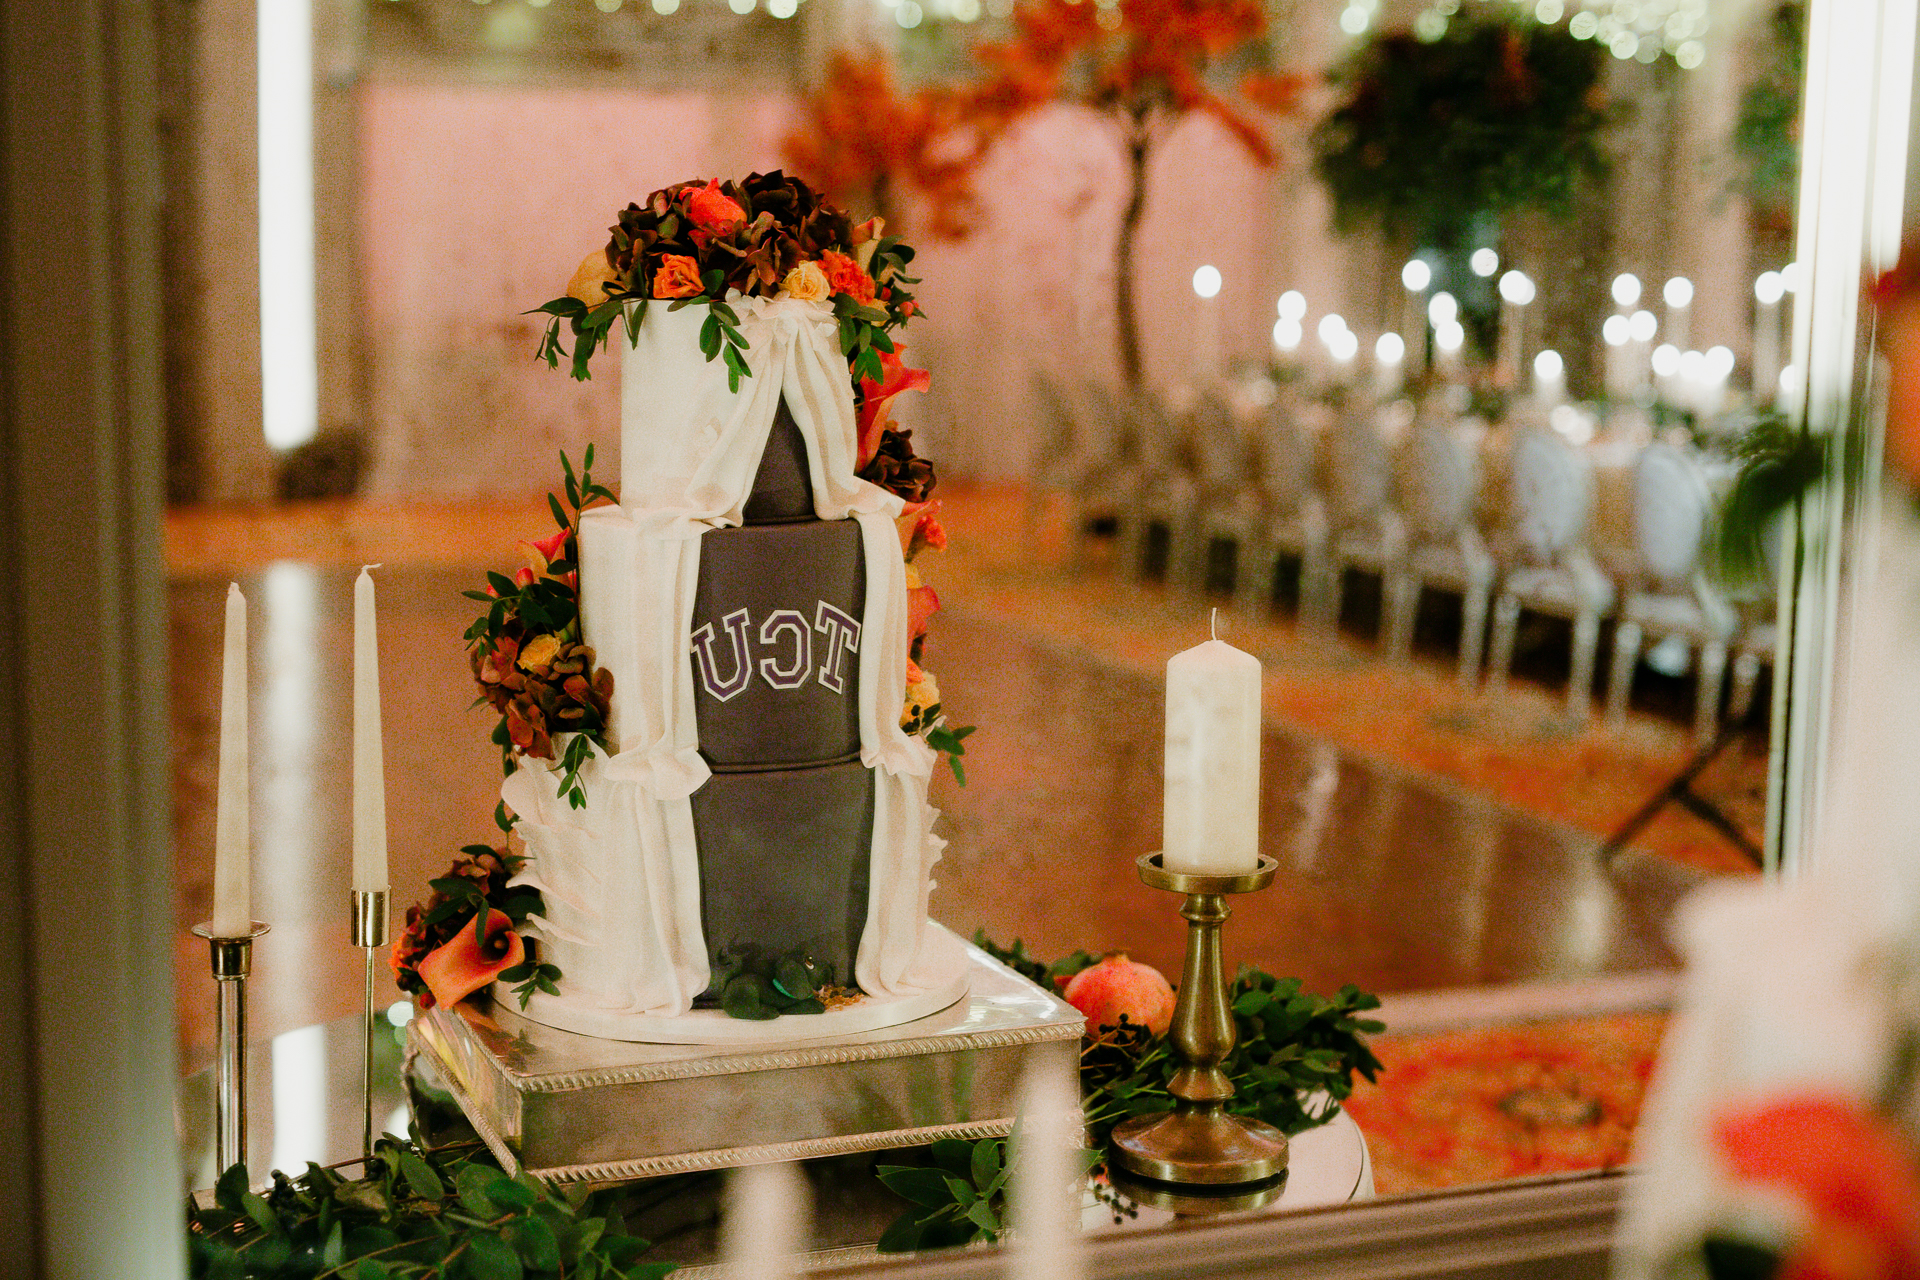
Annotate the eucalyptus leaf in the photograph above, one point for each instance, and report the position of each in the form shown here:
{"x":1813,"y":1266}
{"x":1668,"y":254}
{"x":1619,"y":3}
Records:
{"x":534,"y":1240}
{"x":922,"y":1186}
{"x":491,"y":1258}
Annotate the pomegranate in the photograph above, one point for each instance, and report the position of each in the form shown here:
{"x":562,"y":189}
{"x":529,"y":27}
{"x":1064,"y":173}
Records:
{"x":1119,"y":986}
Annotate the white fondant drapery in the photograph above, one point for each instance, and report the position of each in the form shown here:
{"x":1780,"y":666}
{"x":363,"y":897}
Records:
{"x":621,"y":876}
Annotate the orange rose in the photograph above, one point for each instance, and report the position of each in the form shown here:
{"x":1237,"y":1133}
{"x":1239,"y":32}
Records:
{"x":713,"y":210}
{"x":845,"y":275}
{"x":678,"y":277}
{"x":1852,"y":1172}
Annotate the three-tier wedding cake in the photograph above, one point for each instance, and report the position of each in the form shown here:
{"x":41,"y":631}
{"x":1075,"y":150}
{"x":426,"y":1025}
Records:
{"x":753,"y":815}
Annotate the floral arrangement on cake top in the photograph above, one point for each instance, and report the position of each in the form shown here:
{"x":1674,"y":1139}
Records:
{"x":770,"y":235}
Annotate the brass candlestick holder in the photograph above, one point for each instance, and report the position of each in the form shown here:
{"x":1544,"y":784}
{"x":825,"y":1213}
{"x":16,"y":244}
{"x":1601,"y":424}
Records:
{"x":369,"y":932}
{"x":1198,"y":1143}
{"x":232,"y":961}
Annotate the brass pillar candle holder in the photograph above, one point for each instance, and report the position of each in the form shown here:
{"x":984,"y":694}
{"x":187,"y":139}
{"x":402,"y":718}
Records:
{"x":1198,"y":1143}
{"x":232,"y":961}
{"x":369,"y":932}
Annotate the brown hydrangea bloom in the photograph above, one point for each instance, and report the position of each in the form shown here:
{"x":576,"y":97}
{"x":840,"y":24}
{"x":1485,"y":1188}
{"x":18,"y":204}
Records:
{"x":895,"y":468}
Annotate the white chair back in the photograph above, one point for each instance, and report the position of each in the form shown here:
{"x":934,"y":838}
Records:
{"x":1359,"y":470}
{"x":1150,"y":431}
{"x":1218,"y":447}
{"x":1056,"y":435}
{"x":1286,"y":458}
{"x":1100,"y":425}
{"x":1439,"y":480}
{"x":1550,"y":487}
{"x":1671,"y":510}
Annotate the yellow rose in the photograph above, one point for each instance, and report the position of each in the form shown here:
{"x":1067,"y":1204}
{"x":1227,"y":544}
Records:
{"x":806,"y":282}
{"x":591,"y":278}
{"x":539,"y":652}
{"x":922,"y":704}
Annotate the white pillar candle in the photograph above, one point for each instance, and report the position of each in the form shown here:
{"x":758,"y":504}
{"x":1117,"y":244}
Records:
{"x":369,"y":769}
{"x":1416,"y":276}
{"x":1389,"y":363}
{"x":1678,"y":295}
{"x":1549,"y":378}
{"x":1208,"y":360}
{"x":232,"y":843}
{"x":1516,"y":291}
{"x":1212,"y":814}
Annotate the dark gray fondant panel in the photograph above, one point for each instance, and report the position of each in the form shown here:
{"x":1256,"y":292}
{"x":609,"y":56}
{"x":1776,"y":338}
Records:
{"x":776,"y":667}
{"x":784,"y":858}
{"x":783,"y":486}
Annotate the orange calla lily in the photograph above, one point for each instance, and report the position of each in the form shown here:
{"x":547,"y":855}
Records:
{"x":463,"y":964}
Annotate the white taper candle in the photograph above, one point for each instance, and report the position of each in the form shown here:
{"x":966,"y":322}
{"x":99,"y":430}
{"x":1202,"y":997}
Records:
{"x":1212,"y":815}
{"x":232,"y":840}
{"x":369,"y":768}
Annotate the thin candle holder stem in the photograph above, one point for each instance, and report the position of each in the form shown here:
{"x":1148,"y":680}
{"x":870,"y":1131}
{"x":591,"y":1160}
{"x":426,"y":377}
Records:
{"x":369,"y":932}
{"x":232,"y":960}
{"x":1198,"y":1143}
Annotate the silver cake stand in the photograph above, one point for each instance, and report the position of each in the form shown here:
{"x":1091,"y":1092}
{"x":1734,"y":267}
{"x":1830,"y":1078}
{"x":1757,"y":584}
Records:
{"x":573,"y":1108}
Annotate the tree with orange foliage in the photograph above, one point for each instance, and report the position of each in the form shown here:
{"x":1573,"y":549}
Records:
{"x":1143,"y":64}
{"x":864,"y":140}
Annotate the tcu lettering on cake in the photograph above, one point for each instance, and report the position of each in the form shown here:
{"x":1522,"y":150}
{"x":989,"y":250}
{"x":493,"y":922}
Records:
{"x":787,"y":646}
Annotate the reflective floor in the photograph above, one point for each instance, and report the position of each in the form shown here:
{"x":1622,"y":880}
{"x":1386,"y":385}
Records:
{"x":1390,"y":881}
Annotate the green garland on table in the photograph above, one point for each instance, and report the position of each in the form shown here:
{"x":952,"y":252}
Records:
{"x":415,"y":1213}
{"x":1291,"y":1045}
{"x":1434,"y":137}
{"x":445,"y":1210}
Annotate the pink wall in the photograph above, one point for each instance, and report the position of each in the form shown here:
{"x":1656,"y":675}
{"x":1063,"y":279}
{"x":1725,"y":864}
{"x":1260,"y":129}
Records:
{"x":477,"y":203}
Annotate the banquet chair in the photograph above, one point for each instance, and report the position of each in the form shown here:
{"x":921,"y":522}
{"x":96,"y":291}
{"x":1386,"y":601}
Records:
{"x":1439,"y":485}
{"x":1228,"y":509}
{"x":1162,"y":493}
{"x":1366,"y":532}
{"x":1671,"y":597}
{"x":1293,"y":522}
{"x":1099,"y":477}
{"x":1549,"y":568}
{"x":1056,"y":448}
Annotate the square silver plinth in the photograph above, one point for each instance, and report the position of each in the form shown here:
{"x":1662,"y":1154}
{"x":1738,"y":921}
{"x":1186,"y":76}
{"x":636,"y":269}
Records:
{"x":572,"y":1108}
